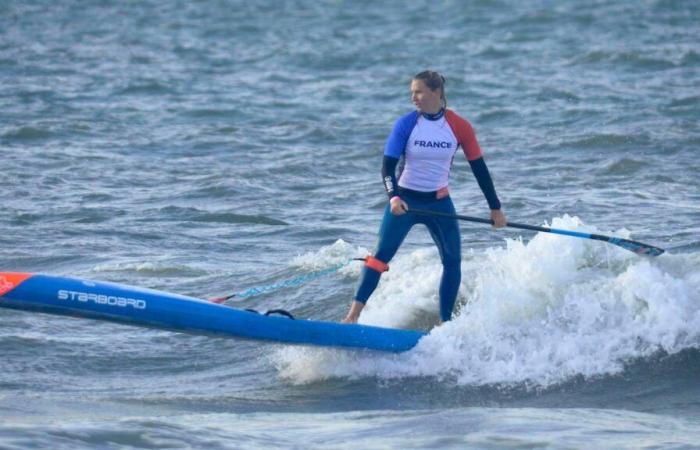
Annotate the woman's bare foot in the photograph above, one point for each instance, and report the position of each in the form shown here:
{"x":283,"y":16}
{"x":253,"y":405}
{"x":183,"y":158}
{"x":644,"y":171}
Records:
{"x":354,"y":313}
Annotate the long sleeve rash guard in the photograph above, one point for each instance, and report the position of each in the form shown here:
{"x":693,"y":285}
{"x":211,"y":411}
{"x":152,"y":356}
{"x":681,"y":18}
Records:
{"x":428,"y":147}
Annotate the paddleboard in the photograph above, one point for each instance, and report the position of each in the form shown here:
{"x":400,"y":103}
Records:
{"x":151,"y":308}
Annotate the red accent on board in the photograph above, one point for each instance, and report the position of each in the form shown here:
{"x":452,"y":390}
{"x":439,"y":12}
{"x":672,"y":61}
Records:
{"x":10,"y":280}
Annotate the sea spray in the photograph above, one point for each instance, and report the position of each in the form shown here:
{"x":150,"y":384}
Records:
{"x":538,"y":312}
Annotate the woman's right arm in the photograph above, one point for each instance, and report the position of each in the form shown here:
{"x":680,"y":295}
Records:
{"x":394,"y":148}
{"x":398,"y":206}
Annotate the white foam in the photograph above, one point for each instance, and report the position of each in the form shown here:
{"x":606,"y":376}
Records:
{"x":539,"y":312}
{"x":340,"y":252}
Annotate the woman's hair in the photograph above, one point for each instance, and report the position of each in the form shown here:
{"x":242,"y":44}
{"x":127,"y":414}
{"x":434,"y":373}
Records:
{"x":434,"y":81}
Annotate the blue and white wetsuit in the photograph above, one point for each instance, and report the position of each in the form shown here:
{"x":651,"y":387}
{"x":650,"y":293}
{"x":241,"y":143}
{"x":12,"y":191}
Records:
{"x":427,"y":144}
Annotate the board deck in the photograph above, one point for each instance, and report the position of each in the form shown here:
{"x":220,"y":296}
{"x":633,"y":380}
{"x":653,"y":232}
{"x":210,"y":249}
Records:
{"x":151,"y":308}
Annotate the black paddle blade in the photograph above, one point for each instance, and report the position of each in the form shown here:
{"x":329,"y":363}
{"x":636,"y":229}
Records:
{"x":634,"y":246}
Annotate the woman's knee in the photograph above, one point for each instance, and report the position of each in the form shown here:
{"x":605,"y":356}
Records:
{"x":453,"y":262}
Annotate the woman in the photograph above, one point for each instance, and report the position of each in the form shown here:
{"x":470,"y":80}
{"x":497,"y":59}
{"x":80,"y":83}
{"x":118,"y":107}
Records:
{"x":427,"y":140}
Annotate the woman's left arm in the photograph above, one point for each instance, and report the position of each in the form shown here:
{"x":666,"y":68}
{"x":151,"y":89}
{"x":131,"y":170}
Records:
{"x":467,"y":139}
{"x":483,"y":177}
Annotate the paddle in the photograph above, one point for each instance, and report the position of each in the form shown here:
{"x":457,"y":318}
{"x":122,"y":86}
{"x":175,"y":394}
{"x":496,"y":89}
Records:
{"x":633,"y":246}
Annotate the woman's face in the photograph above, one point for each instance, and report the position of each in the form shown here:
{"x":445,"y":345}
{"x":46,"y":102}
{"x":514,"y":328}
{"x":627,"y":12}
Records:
{"x":426,"y":100}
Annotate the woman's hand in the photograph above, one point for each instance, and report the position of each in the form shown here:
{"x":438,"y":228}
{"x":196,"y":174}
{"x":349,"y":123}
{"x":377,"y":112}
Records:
{"x":499,"y":219}
{"x":398,"y":206}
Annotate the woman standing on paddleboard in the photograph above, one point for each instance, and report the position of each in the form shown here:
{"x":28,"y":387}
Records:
{"x":427,"y":140}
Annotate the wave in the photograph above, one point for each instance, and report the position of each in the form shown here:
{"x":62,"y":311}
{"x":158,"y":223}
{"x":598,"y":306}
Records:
{"x":160,"y":267}
{"x":625,"y":166}
{"x":537,"y":313}
{"x":633,"y":59}
{"x":685,"y":248}
{"x":197,"y":215}
{"x":145,"y":87}
{"x":27,"y":133}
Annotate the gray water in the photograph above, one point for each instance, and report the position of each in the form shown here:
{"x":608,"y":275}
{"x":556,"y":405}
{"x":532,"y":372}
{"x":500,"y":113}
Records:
{"x":207,"y":147}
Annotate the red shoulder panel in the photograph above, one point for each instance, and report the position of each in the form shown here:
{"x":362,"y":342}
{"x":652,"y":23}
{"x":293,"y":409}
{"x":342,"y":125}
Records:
{"x":465,"y":135}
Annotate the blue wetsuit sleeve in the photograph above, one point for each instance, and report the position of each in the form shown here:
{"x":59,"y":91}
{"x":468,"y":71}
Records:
{"x":396,"y":143}
{"x":483,"y":177}
{"x":394,"y":148}
{"x":389,"y":175}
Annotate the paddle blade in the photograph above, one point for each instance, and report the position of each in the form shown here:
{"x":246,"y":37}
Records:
{"x":636,"y":247}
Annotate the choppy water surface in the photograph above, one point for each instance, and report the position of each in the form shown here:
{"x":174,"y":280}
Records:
{"x":207,"y":147}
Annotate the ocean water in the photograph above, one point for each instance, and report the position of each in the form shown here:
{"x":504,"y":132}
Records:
{"x":206,"y":147}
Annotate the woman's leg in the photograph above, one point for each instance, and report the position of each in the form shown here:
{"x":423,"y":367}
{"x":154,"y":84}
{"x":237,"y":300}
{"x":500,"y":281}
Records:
{"x":445,"y":233}
{"x":391,"y":234}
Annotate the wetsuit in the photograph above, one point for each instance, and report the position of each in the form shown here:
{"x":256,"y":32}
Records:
{"x":426,"y":144}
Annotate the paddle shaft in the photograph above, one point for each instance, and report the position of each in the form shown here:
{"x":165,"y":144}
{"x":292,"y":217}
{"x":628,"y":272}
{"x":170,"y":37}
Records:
{"x":627,"y":244}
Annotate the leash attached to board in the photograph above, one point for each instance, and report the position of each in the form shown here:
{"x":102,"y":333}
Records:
{"x":369,"y":260}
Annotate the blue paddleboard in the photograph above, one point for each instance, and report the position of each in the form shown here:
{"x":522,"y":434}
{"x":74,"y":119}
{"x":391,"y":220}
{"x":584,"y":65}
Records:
{"x":146,"y":307}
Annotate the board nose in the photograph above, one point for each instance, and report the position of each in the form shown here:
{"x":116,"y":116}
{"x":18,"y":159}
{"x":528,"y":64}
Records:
{"x":10,"y":280}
